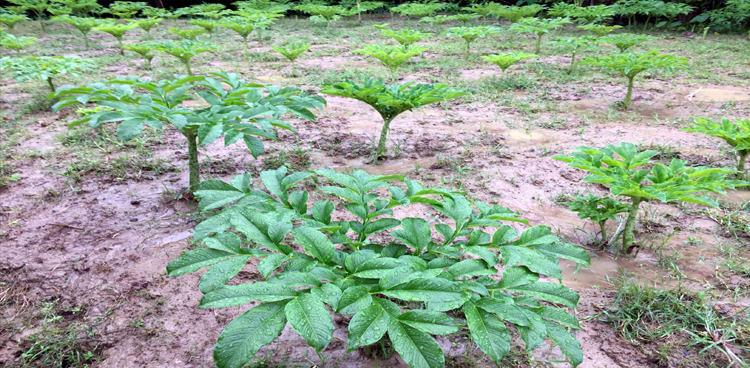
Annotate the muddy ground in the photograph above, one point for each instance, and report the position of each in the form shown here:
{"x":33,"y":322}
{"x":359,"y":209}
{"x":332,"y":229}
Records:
{"x":90,"y":225}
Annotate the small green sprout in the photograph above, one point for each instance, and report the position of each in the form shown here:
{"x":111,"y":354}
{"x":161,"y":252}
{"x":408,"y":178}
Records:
{"x":187,"y":34}
{"x":538,"y":27}
{"x":11,"y":20}
{"x":504,"y":61}
{"x":405,"y":37}
{"x":147,"y":24}
{"x":184,"y":50}
{"x":470,"y":34}
{"x":599,"y":30}
{"x":143,"y":49}
{"x":292,"y":52}
{"x":392,"y":56}
{"x":574,"y":45}
{"x":735,"y":133}
{"x":83,"y":25}
{"x":14,"y":43}
{"x":624,"y":41}
{"x":116,"y":30}
{"x":45,"y":68}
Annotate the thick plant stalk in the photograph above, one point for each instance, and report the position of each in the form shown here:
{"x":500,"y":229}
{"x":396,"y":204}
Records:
{"x":383,"y":138}
{"x":193,"y":160}
{"x":466,"y":55}
{"x":294,"y":71}
{"x":741,"y":162}
{"x":572,"y":64}
{"x":628,"y":96}
{"x":50,"y":84}
{"x":603,"y":230}
{"x":187,"y":66}
{"x":538,"y":47}
{"x":627,"y":236}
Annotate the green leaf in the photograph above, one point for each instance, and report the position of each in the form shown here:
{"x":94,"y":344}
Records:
{"x":315,"y":243}
{"x":354,"y":299}
{"x":536,"y":262}
{"x":228,"y":295}
{"x":507,"y":311}
{"x":194,"y":260}
{"x":377,"y":268}
{"x":566,"y":341}
{"x":129,"y":129}
{"x":322,"y":211}
{"x":267,"y":265}
{"x":554,"y":293}
{"x":471,"y":268}
{"x":416,"y":233}
{"x":488,"y":332}
{"x":439,"y":294}
{"x":216,"y":193}
{"x":381,"y":225}
{"x":328,"y":293}
{"x":558,"y":315}
{"x":241,"y":339}
{"x":417,"y":348}
{"x":368,"y":326}
{"x":221,"y":272}
{"x":487,"y":255}
{"x":516,"y":276}
{"x":309,"y":317}
{"x":534,"y":335}
{"x":295,"y":278}
{"x":431,"y":322}
{"x":567,"y":251}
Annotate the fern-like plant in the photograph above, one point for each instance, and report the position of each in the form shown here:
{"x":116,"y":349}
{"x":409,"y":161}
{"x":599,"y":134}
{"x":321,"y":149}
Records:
{"x":184,"y":50}
{"x":38,"y":7}
{"x":292,"y":52}
{"x":574,"y":45}
{"x":57,"y":10}
{"x":83,"y":25}
{"x":392,"y":56}
{"x":735,"y":133}
{"x":125,"y":9}
{"x":515,"y":13}
{"x":482,"y":10}
{"x":624,"y":41}
{"x":504,"y":61}
{"x":81,"y":8}
{"x":464,"y":18}
{"x":147,"y":24}
{"x":599,"y":30}
{"x":15,"y":43}
{"x":187,"y":34}
{"x":470,"y":34}
{"x":391,"y":100}
{"x":327,"y":13}
{"x":45,"y":68}
{"x":10,"y":19}
{"x":207,"y":24}
{"x":405,"y":37}
{"x":244,"y":26}
{"x":143,"y":49}
{"x":117,"y":31}
{"x":538,"y":27}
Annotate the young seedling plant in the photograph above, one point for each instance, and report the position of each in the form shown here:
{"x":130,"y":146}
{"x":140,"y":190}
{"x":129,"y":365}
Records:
{"x":187,"y":34}
{"x":83,"y":25}
{"x":292,"y":52}
{"x":504,"y":61}
{"x":391,"y":100}
{"x":470,"y":34}
{"x":184,"y":50}
{"x":38,"y":7}
{"x":599,"y":30}
{"x":238,"y":110}
{"x":405,"y":37}
{"x":142,"y":49}
{"x":538,"y":27}
{"x":117,"y":31}
{"x":575,"y":45}
{"x":464,"y":18}
{"x":392,"y":56}
{"x":599,"y":210}
{"x":397,"y":283}
{"x":126,"y":9}
{"x":14,"y":43}
{"x":624,"y":41}
{"x":147,"y":24}
{"x":244,"y":26}
{"x":437,"y":20}
{"x":632,"y":174}
{"x":207,"y":24}
{"x":327,"y":13}
{"x":735,"y":133}
{"x":630,"y":65}
{"x":45,"y":68}
{"x":10,"y":20}
{"x":482,"y":10}
{"x":514,"y":13}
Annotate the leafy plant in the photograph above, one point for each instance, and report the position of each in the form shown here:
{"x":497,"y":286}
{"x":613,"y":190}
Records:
{"x":14,"y":43}
{"x":590,"y":14}
{"x":143,"y":49}
{"x":292,"y":52}
{"x":327,"y":13}
{"x":152,"y":12}
{"x":403,"y":288}
{"x":630,"y":65}
{"x":56,"y":10}
{"x":147,"y":24}
{"x":482,"y":10}
{"x":392,"y":56}
{"x":236,"y":109}
{"x":504,"y":61}
{"x":538,"y":27}
{"x":417,"y":10}
{"x":620,"y":168}
{"x":207,"y":24}
{"x":624,"y":41}
{"x":391,"y":101}
{"x":244,"y":26}
{"x":38,"y":7}
{"x":184,"y":50}
{"x":44,"y":68}
{"x":464,"y":18}
{"x":83,"y":25}
{"x":10,"y":20}
{"x":116,"y":30}
{"x":437,"y":20}
{"x":597,"y":209}
{"x":405,"y":37}
{"x":514,"y":13}
{"x":735,"y":133}
{"x":470,"y":34}
{"x":81,"y":8}
{"x":187,"y":34}
{"x":574,"y":45}
{"x":126,"y":9}
{"x":598,"y":29}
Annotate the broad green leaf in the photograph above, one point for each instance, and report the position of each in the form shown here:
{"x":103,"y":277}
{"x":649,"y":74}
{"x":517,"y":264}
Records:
{"x":315,"y":243}
{"x":566,"y":341}
{"x":354,"y":299}
{"x":566,"y":251}
{"x":488,"y":332}
{"x":328,"y":293}
{"x":228,"y":295}
{"x":417,"y":348}
{"x":220,"y":273}
{"x":309,"y":317}
{"x":554,"y":293}
{"x":267,"y":265}
{"x":516,"y":276}
{"x":241,"y":339}
{"x":536,"y":262}
{"x":377,"y":268}
{"x":415,"y":233}
{"x":471,"y":268}
{"x":194,"y":260}
{"x":438,"y":294}
{"x":381,"y":225}
{"x":534,"y":335}
{"x":216,"y":193}
{"x":431,"y":322}
{"x":368,"y":326}
{"x":295,"y":278}
{"x":507,"y":311}
{"x":558,"y":315}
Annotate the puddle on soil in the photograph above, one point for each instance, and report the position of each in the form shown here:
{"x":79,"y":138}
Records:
{"x":722,"y":94}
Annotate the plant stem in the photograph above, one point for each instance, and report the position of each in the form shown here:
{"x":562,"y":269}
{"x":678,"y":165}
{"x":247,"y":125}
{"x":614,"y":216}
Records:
{"x":383,"y":136}
{"x":627,"y":236}
{"x":538,"y":47}
{"x":193,"y":160}
{"x":603,"y":230}
{"x":294,"y":72}
{"x":466,"y":55}
{"x":50,"y":84}
{"x":187,"y":66}
{"x":119,"y":43}
{"x":572,"y":63}
{"x":502,"y":74}
{"x":626,"y":103}
{"x":741,"y":162}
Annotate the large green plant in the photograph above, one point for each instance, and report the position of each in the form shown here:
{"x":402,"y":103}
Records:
{"x":126,"y":9}
{"x":292,"y":52}
{"x":392,"y":56}
{"x":464,"y":18}
{"x":116,"y":30}
{"x":207,"y":24}
{"x":597,"y":209}
{"x":624,"y":41}
{"x":83,"y":25}
{"x":38,"y":7}
{"x":398,"y":284}
{"x":45,"y":68}
{"x":237,"y":110}
{"x":735,"y":133}
{"x":244,"y":26}
{"x":405,"y":37}
{"x":630,"y":173}
{"x":470,"y":34}
{"x":504,"y":61}
{"x":630,"y":65}
{"x":184,"y":50}
{"x":391,"y":100}
{"x":14,"y":43}
{"x":81,"y":8}
{"x":10,"y":20}
{"x":538,"y":27}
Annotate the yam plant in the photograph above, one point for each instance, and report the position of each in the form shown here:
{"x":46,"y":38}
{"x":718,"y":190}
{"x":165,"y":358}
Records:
{"x":632,"y":174}
{"x":44,"y":68}
{"x":538,"y":27}
{"x":574,"y":45}
{"x":405,"y":37}
{"x":125,"y":9}
{"x":504,"y":61}
{"x":10,"y":20}
{"x":116,"y":30}
{"x":630,"y":65}
{"x":184,"y":50}
{"x":237,"y":110}
{"x":470,"y":34}
{"x":142,"y":49}
{"x":14,"y":43}
{"x":735,"y":133}
{"x":147,"y":24}
{"x":599,"y":210}
{"x":400,"y":284}
{"x":83,"y":25}
{"x":152,"y":12}
{"x":38,"y":7}
{"x":292,"y":52}
{"x":515,"y":13}
{"x":599,"y":30}
{"x":392,"y":56}
{"x":391,"y":100}
{"x":624,"y":41}
{"x":187,"y":34}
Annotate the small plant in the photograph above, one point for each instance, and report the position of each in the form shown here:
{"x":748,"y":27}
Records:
{"x":184,"y":50}
{"x":327,"y":13}
{"x":597,"y":209}
{"x":83,"y":25}
{"x":391,"y":101}
{"x":630,"y":65}
{"x":152,"y":12}
{"x":143,"y":49}
{"x":117,"y":31}
{"x":14,"y":43}
{"x":464,"y":18}
{"x":599,"y":30}
{"x":504,"y":61}
{"x":624,"y":41}
{"x":207,"y":24}
{"x":589,"y":14}
{"x":45,"y":68}
{"x":735,"y":133}
{"x":187,"y":34}
{"x":574,"y":45}
{"x":405,"y":37}
{"x":392,"y":56}
{"x":482,"y":10}
{"x":620,"y":168}
{"x":125,"y":9}
{"x":147,"y":24}
{"x":437,"y":20}
{"x":57,"y":10}
{"x":470,"y":34}
{"x":417,"y":10}
{"x":538,"y":27}
{"x":38,"y":7}
{"x":292,"y":52}
{"x":82,"y":8}
{"x":10,"y":20}
{"x":514,"y":13}
{"x":238,"y":110}
{"x":244,"y":26}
